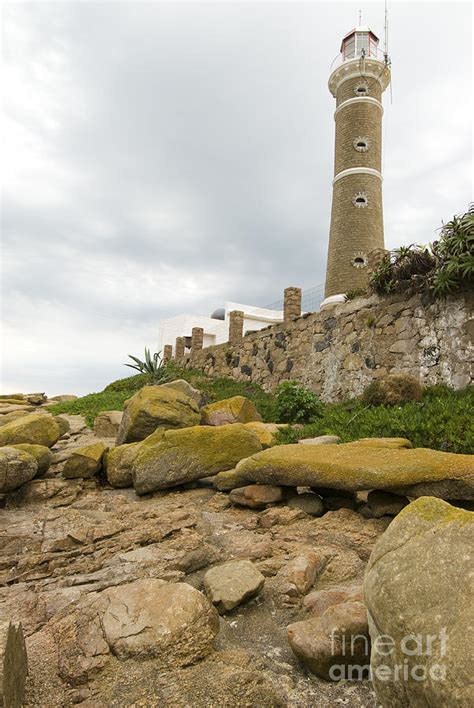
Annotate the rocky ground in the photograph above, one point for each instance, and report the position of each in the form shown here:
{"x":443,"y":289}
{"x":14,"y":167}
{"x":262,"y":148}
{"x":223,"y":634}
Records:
{"x":192,"y":596}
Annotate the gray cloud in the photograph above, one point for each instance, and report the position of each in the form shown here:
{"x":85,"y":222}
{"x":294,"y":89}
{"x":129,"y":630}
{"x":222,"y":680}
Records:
{"x":166,"y":157}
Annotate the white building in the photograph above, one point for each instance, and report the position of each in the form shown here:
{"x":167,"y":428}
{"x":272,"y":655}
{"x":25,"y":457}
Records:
{"x":216,"y":327}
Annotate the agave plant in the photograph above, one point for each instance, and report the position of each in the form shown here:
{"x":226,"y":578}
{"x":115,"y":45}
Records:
{"x":442,"y":268}
{"x":152,"y":365}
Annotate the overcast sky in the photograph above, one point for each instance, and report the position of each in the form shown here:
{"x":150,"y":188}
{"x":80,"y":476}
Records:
{"x":166,"y":157}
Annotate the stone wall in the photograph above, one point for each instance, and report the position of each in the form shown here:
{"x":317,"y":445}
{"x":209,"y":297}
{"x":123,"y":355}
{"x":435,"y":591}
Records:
{"x":338,"y":351}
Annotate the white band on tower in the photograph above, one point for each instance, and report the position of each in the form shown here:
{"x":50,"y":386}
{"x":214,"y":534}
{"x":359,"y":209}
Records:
{"x":358,"y":171}
{"x":358,"y":99}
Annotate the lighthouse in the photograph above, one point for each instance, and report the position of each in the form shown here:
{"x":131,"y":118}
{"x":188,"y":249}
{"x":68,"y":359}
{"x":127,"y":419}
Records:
{"x":359,"y":76}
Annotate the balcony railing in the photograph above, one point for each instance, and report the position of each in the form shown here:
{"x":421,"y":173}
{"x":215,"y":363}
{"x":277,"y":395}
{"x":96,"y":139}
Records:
{"x":375,"y":53}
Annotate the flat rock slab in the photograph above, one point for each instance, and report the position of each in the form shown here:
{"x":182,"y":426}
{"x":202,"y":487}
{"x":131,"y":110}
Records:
{"x":13,"y":665}
{"x":230,"y":584}
{"x":320,"y":440}
{"x":356,"y":467}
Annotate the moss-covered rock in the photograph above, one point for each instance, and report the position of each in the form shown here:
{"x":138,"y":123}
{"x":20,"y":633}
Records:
{"x":181,"y":456}
{"x":118,"y":464}
{"x":42,"y":455}
{"x":84,"y":461}
{"x":33,"y":428}
{"x":355,"y":467}
{"x":237,"y":409}
{"x":230,"y":479}
{"x":155,"y":407}
{"x":395,"y":443}
{"x":16,"y":468}
{"x":417,"y":585}
{"x":63,"y":425}
{"x":14,"y":415}
{"x":186,"y":388}
{"x":266,"y":432}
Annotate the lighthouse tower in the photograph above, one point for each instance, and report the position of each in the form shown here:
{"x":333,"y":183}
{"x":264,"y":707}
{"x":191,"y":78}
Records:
{"x":359,"y":77}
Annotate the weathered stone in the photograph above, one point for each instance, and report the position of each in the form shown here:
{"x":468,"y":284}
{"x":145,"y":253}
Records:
{"x":156,"y":407}
{"x":14,"y":415}
{"x":63,"y":398}
{"x":107,"y":423}
{"x":62,"y":424}
{"x":232,"y":583}
{"x":355,"y":467}
{"x":34,"y":428}
{"x":418,"y":586}
{"x":382,"y":504}
{"x":231,"y":410}
{"x":186,"y":388}
{"x":321,"y":440}
{"x":118,"y":464}
{"x":266,"y":432}
{"x":13,"y":665}
{"x":16,"y":468}
{"x":317,"y":602}
{"x":309,"y":503}
{"x":171,"y":622}
{"x":256,"y":496}
{"x":42,"y":455}
{"x":336,"y":645}
{"x":229,"y":479}
{"x":301,"y":572}
{"x":85,"y":461}
{"x":394,"y":443}
{"x":181,"y":456}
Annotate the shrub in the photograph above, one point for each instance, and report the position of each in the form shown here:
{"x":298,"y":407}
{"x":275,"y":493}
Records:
{"x":442,"y":268}
{"x":153,"y":365}
{"x":392,"y":390}
{"x":295,"y":403}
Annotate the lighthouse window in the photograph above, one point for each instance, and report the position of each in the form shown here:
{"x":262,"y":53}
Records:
{"x":360,"y":200}
{"x":359,"y":260}
{"x":361,"y":144}
{"x":361,"y":89}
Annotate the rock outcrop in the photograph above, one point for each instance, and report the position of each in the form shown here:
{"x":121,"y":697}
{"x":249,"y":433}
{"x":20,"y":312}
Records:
{"x":419,"y":593}
{"x":155,"y":407}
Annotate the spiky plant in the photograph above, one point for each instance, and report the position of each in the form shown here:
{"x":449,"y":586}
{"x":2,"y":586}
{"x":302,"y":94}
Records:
{"x":152,"y":365}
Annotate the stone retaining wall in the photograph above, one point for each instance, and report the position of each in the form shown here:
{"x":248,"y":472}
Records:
{"x":338,"y":351}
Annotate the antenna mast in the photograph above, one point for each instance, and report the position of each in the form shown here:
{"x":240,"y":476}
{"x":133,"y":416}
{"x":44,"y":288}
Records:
{"x":385,"y":42}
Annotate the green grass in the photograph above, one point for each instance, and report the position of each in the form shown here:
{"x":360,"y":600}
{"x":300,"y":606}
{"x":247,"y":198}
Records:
{"x":115,"y":394}
{"x":442,"y":420}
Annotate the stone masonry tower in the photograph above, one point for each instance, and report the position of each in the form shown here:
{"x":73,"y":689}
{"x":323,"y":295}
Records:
{"x":360,"y":75}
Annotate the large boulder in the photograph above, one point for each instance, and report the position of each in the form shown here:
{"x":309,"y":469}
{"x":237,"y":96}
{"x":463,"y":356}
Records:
{"x":33,"y":428}
{"x":16,"y":468}
{"x":231,"y":410}
{"x":150,"y":618}
{"x":118,"y":464}
{"x":179,"y":456}
{"x":355,"y":467}
{"x":42,"y":455}
{"x":172,"y":623}
{"x":156,"y":407}
{"x":266,"y":432}
{"x":84,"y":462}
{"x":232,"y":583}
{"x":419,"y":594}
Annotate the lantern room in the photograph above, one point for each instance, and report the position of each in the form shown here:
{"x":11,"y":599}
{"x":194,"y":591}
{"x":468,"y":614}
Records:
{"x":361,"y":41}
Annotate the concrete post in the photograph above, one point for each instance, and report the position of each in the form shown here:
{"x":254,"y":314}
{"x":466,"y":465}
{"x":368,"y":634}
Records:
{"x":197,"y":339}
{"x":236,"y":327}
{"x":179,"y":348}
{"x":167,"y":353}
{"x":291,"y":304}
